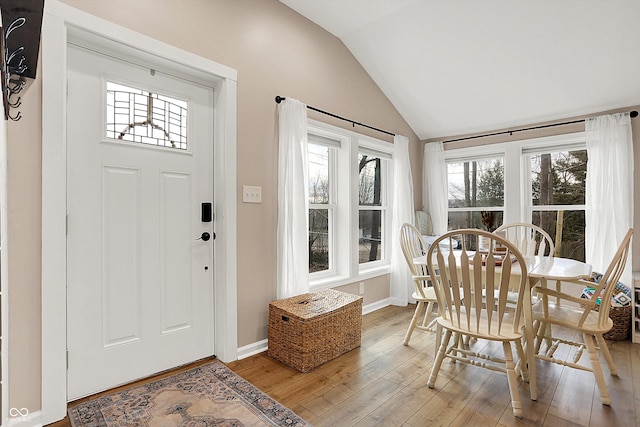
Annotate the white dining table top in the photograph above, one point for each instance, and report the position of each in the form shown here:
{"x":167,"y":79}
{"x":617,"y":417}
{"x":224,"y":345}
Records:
{"x":538,"y":267}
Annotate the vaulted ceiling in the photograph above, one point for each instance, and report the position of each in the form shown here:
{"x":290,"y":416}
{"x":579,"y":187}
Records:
{"x":452,"y":67}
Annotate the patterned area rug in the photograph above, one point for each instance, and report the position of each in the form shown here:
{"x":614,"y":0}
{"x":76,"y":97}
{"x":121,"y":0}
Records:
{"x":209,"y":395}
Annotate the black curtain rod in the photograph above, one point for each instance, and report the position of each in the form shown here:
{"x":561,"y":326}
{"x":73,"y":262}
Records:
{"x":632,"y":114}
{"x":279,"y":99}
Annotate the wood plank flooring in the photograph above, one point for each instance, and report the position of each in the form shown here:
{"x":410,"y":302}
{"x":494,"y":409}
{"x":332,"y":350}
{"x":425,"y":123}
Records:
{"x":383,"y":383}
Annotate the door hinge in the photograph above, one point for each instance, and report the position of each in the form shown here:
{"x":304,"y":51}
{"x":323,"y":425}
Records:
{"x":66,"y":225}
{"x":67,"y":359}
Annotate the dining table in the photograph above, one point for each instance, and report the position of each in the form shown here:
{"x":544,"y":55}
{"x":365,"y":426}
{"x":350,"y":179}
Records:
{"x":540,"y":271}
{"x":540,"y":267}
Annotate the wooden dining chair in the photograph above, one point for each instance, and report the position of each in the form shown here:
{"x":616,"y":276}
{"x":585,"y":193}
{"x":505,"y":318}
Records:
{"x":481,"y":314}
{"x":413,"y":246}
{"x":528,"y":238}
{"x":583,"y":316}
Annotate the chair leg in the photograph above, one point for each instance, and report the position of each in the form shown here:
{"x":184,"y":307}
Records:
{"x":512,"y":377}
{"x":528,"y":361}
{"x":414,"y":320}
{"x":427,"y":322}
{"x":439,"y":358}
{"x":597,"y":369}
{"x":539,"y":329}
{"x":604,"y":348}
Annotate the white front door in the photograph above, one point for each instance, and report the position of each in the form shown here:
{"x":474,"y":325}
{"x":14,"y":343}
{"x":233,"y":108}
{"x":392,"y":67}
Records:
{"x":140,"y":282}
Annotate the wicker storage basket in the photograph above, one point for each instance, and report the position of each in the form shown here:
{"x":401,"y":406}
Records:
{"x":308,"y":330}
{"x":621,"y":317}
{"x":619,"y":314}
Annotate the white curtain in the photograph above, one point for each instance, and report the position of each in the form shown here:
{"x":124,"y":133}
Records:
{"x":609,"y":188}
{"x":434,"y":185}
{"x":402,"y":211}
{"x":293,"y":251}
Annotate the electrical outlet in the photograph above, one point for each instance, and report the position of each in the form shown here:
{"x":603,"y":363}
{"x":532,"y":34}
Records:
{"x":361,"y":288}
{"x":251,"y":194}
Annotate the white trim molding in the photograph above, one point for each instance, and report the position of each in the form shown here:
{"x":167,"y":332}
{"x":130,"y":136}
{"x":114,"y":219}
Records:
{"x":33,"y":419}
{"x":61,"y":25}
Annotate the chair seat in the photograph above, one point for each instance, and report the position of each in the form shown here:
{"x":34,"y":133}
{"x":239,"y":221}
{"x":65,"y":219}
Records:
{"x":569,"y":316}
{"x":429,"y":295}
{"x":482,"y":331}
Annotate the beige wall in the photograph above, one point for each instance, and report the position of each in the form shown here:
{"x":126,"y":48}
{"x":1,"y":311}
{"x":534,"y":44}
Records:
{"x":560,"y":130}
{"x":24,"y":176}
{"x":276,"y":52}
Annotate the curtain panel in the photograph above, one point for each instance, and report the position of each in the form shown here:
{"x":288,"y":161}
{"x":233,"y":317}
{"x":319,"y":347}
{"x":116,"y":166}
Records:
{"x":293,"y":200}
{"x":434,"y":184}
{"x":609,"y":188}
{"x":402,"y":211}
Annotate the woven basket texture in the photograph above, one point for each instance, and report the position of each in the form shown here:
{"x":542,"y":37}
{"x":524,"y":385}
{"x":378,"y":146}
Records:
{"x":621,"y":317}
{"x":308,"y":330}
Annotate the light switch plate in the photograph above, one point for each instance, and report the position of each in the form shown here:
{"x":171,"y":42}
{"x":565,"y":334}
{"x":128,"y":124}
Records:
{"x":251,"y":194}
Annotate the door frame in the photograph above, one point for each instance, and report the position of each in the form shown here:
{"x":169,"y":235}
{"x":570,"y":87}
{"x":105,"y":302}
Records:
{"x":63,"y":24}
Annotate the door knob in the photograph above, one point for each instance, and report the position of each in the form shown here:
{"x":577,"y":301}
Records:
{"x":205,"y":236}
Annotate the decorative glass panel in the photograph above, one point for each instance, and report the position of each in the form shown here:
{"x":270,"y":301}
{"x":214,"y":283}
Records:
{"x":143,"y":117}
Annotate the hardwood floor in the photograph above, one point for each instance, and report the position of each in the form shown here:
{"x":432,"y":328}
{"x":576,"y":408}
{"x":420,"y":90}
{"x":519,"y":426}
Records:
{"x":383,"y":383}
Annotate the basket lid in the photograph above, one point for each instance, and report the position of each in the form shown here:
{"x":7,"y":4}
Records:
{"x":307,"y":306}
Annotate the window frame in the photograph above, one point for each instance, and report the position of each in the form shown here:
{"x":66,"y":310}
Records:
{"x":344,"y":232}
{"x":331,"y":206}
{"x":468,"y":156}
{"x":518,"y":206}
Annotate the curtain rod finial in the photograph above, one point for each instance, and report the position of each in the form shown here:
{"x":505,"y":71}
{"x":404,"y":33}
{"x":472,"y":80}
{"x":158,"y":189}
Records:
{"x":279,"y":99}
{"x":633,"y":114}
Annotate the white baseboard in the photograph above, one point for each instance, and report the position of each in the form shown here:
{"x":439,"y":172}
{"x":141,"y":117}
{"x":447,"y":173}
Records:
{"x":251,"y":349}
{"x":33,"y":419}
{"x":370,"y":308}
{"x":260,"y":346}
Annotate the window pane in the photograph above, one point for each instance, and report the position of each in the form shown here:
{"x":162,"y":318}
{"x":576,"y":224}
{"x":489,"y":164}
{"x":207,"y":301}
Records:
{"x":318,"y":174}
{"x":370,"y":243}
{"x":475,"y":219}
{"x":370,"y":180}
{"x":476,"y":183}
{"x":558,"y":178}
{"x":569,"y":225}
{"x":318,"y":240}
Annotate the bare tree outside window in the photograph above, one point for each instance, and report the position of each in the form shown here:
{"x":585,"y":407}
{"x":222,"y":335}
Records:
{"x":370,"y":201}
{"x":319,"y":209}
{"x":476,"y":194}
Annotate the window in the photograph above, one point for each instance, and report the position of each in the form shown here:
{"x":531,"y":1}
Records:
{"x":476,"y":193}
{"x":557,"y":198}
{"x":143,"y":117}
{"x":372,"y":206}
{"x":541,"y":181}
{"x":320,"y":207}
{"x":349,"y":223}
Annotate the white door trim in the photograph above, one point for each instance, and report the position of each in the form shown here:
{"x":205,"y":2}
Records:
{"x":61,"y":24}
